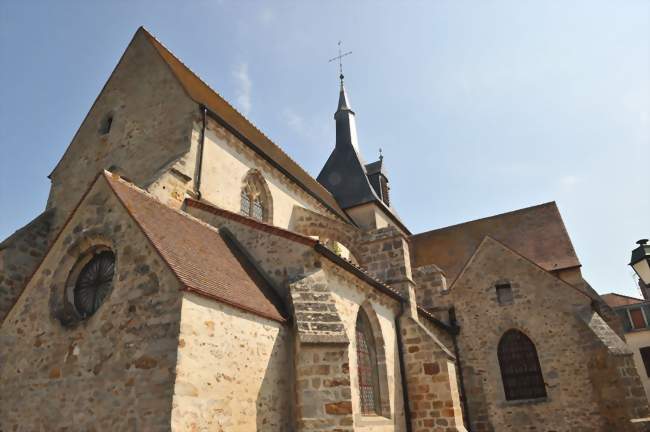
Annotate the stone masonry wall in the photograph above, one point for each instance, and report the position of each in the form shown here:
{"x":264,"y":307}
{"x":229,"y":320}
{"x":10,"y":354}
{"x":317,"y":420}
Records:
{"x":544,"y":308}
{"x":151,"y":129}
{"x":112,"y":371}
{"x":19,"y":256}
{"x":431,"y":378}
{"x":233,"y":370}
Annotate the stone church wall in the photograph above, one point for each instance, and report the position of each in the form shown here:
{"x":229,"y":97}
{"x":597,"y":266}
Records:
{"x":150,"y":131}
{"x":112,"y":371}
{"x":545,"y":309}
{"x":349,"y":297}
{"x":19,"y":256}
{"x":233,"y":371}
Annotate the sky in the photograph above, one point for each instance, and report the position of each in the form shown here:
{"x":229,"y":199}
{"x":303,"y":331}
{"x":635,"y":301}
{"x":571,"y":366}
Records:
{"x":480,"y":107}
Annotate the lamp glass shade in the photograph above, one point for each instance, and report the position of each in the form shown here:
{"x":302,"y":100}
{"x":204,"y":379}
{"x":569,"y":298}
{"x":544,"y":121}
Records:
{"x":642,"y":268}
{"x":640,"y":261}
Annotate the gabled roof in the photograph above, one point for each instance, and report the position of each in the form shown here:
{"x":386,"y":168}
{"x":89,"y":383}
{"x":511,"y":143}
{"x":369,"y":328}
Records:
{"x":538,"y":233}
{"x":230,"y":118}
{"x":616,"y":300}
{"x":205,"y":260}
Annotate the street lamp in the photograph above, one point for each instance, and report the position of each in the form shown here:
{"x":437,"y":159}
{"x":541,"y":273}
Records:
{"x":640,"y":261}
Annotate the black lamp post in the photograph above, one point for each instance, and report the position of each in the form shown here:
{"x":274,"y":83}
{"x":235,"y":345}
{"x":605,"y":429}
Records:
{"x":640,"y":261}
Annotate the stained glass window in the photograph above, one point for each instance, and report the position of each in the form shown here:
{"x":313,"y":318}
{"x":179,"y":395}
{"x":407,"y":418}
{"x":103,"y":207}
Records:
{"x":520,"y":368}
{"x":94,"y":283}
{"x":367,"y":366}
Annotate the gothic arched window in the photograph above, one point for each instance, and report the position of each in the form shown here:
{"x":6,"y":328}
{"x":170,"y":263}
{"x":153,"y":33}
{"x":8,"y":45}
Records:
{"x":255,"y":197}
{"x":94,"y":282}
{"x":367,"y":366}
{"x":520,"y":369}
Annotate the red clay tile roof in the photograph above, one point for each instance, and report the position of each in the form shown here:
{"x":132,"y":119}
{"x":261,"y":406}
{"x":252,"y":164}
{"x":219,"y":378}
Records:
{"x":537,"y":233}
{"x":615,"y":300}
{"x":203,"y":259}
{"x":201,"y":93}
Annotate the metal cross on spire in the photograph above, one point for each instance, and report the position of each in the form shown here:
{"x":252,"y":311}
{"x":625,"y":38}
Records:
{"x":339,"y":57}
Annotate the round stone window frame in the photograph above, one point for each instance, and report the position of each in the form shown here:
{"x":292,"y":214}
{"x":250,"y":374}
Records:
{"x":78,"y":254}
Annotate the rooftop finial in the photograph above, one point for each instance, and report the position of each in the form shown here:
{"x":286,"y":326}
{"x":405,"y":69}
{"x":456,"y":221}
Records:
{"x":381,"y":156}
{"x":339,"y":57}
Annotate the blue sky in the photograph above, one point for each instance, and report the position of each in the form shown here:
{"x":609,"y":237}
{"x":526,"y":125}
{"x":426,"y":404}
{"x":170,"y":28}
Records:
{"x":480,"y":107}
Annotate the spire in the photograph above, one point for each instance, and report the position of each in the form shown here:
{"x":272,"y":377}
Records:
{"x":344,"y":104}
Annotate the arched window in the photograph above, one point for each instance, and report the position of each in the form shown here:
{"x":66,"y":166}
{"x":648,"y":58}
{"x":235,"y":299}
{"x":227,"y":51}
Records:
{"x":367,"y":366}
{"x":520,"y":369}
{"x":255,"y":197}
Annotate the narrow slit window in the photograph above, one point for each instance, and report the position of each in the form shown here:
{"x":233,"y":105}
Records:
{"x":504,"y":294}
{"x":105,"y":127}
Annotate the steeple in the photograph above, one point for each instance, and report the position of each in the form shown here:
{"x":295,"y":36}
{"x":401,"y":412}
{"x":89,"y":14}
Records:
{"x":346,"y":127}
{"x":344,"y":173}
{"x":360,"y":189}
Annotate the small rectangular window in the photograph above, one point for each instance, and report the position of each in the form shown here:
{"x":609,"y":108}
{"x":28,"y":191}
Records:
{"x":637,"y":318}
{"x":645,"y":356}
{"x":105,"y":127}
{"x":504,"y":294}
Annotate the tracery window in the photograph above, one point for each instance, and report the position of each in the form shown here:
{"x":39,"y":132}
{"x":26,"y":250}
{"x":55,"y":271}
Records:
{"x":255,"y":198}
{"x":94,"y":282}
{"x":520,"y":369}
{"x":367,"y":366}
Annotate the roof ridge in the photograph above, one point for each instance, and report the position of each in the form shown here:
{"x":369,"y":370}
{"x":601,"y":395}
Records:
{"x":623,"y":295}
{"x":521,"y":210}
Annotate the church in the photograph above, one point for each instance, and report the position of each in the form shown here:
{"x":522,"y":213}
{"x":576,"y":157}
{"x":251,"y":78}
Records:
{"x":188,"y":275}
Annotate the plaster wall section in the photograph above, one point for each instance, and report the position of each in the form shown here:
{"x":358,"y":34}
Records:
{"x":151,"y":128}
{"x":111,"y":371}
{"x":369,"y":216}
{"x":233,"y":370}
{"x":226,"y":161}
{"x":544,"y":308}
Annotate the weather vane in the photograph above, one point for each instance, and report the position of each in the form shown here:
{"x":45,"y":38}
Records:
{"x":339,"y":57}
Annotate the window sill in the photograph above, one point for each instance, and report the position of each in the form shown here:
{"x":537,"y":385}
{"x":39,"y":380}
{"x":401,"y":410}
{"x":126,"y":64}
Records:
{"x":527,"y":401}
{"x":372,"y":420}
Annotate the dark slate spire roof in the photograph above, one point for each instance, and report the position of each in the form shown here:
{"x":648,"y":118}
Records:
{"x":344,"y":173}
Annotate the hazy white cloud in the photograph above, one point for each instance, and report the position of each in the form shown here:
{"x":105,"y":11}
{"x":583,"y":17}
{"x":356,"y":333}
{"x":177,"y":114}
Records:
{"x":294,"y":120}
{"x":266,"y":15}
{"x":569,"y":181}
{"x":244,"y":88}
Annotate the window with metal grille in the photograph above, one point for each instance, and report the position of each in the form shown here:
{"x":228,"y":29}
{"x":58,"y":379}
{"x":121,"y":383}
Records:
{"x":258,"y":209}
{"x":520,"y":369}
{"x":94,"y":283}
{"x":367,"y":366}
{"x":645,"y":356}
{"x":245,"y":203}
{"x":255,"y":197}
